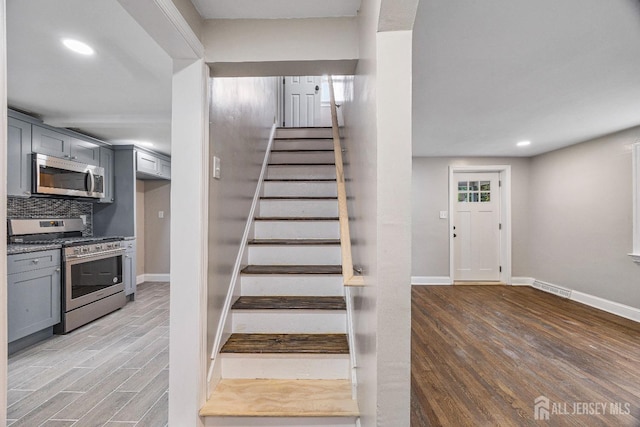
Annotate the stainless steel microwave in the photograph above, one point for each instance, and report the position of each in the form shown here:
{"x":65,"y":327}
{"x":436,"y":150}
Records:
{"x":52,"y":175}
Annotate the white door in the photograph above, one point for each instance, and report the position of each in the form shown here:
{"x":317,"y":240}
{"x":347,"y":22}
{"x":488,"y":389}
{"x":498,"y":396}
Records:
{"x":476,"y":226}
{"x":302,"y":101}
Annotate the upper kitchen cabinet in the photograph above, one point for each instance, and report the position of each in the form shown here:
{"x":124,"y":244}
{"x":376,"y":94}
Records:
{"x":152,"y":166}
{"x":18,"y":158}
{"x":50,"y":142}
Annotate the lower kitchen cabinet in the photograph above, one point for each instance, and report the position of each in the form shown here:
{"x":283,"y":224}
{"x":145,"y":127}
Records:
{"x":33,"y":293}
{"x":129,"y":267}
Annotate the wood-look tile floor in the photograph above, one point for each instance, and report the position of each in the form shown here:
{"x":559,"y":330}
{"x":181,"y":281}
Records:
{"x":111,"y":372}
{"x":482,"y":355}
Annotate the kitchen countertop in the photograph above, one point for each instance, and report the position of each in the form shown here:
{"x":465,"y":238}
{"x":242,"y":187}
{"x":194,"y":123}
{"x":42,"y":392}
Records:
{"x":16,"y":248}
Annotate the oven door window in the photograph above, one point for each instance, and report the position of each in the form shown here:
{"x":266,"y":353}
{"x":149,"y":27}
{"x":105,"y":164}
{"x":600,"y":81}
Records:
{"x":93,"y":276}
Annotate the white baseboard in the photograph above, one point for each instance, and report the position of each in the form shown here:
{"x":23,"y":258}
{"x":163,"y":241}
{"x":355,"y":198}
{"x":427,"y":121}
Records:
{"x":152,"y":278}
{"x":603,"y":304}
{"x":431,"y":280}
{"x":613,"y":307}
{"x":522,"y":281}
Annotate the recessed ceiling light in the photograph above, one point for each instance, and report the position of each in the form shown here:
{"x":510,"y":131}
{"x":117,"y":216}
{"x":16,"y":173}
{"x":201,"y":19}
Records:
{"x":78,"y":46}
{"x":523,"y":143}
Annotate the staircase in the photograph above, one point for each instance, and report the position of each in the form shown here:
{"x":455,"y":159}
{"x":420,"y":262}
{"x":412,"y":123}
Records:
{"x":286,"y":361}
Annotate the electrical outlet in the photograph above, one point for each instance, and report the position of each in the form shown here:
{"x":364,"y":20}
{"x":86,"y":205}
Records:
{"x":160,"y":214}
{"x":443,"y":214}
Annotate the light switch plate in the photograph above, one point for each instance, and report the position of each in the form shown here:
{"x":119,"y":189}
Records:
{"x":216,"y":167}
{"x":443,"y":214}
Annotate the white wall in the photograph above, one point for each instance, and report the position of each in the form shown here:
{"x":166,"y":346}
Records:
{"x":140,"y":228}
{"x":377,"y":131}
{"x":255,"y":47}
{"x":581,"y":218}
{"x":3,"y":214}
{"x":157,"y":237}
{"x":242,"y":113}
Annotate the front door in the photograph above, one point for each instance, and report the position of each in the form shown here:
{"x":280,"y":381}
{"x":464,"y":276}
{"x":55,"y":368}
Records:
{"x":302,"y":101}
{"x":476,"y":226}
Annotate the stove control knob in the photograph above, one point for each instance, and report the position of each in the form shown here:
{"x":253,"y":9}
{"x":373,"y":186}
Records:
{"x":76,"y":251}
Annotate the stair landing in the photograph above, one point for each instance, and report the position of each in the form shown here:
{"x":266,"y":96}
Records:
{"x":281,"y":398}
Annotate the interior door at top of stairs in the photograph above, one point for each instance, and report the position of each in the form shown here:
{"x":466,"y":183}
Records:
{"x":302,"y":101}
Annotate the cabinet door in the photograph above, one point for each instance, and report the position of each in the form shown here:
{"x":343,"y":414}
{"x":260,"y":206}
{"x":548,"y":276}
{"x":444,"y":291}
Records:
{"x":129,"y":268}
{"x":18,"y":158}
{"x":106,"y":162}
{"x":33,"y":301}
{"x":165,"y":169}
{"x":46,"y":141}
{"x":85,"y":152}
{"x":146,"y":163}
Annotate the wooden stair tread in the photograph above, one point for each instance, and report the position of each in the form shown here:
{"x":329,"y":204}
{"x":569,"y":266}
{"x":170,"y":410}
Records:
{"x":281,"y":398}
{"x":292,"y":269}
{"x":302,"y":164}
{"x":295,"y":242}
{"x":289,"y":303}
{"x":303,"y":151}
{"x":286,"y":344}
{"x":296,"y":218}
{"x":301,"y":180}
{"x":298,"y":198}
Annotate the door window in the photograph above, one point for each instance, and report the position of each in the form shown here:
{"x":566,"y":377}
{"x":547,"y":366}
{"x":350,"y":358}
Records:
{"x":474,"y":191}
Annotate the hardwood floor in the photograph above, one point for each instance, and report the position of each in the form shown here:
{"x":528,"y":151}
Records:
{"x":482,"y":355}
{"x":111,"y":372}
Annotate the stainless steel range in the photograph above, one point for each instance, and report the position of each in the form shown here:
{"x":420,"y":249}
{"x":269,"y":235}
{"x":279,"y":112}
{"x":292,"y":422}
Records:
{"x":92,"y":267}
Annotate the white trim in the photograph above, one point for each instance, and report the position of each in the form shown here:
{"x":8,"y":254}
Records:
{"x":505,"y":215}
{"x":612,"y":307}
{"x":3,"y":215}
{"x":181,"y":25}
{"x":153,"y":278}
{"x":635,"y":153}
{"x":238,"y":264}
{"x":431,"y":280}
{"x":522,"y":281}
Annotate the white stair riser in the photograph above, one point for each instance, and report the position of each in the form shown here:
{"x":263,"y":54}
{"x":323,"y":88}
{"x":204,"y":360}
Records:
{"x":302,"y":157}
{"x":304,"y":133}
{"x":309,"y":189}
{"x":297,"y":230}
{"x":286,"y":366}
{"x":299,"y":208}
{"x":301,"y":172}
{"x":280,"y":421}
{"x":294,"y":255}
{"x":291,"y":285}
{"x":289,"y":321}
{"x":303,"y":144}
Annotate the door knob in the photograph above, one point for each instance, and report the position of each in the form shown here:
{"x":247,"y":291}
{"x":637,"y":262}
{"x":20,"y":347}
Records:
{"x":455,"y":235}
{"x":317,"y":88}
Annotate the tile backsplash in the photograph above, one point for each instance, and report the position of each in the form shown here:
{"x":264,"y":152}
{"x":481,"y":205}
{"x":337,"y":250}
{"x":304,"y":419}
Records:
{"x":36,"y":207}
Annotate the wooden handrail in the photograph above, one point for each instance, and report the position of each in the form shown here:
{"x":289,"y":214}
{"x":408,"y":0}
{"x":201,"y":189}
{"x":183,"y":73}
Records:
{"x":348,"y":276}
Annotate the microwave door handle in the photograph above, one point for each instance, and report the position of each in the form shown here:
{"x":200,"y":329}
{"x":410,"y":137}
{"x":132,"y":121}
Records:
{"x":92,"y":182}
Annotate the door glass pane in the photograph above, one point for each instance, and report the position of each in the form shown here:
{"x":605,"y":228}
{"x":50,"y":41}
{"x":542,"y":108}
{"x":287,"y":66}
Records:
{"x":485,"y":185}
{"x":462,"y":197}
{"x":485,"y":197}
{"x":473,"y":197}
{"x":473,"y":185}
{"x":462,"y":186}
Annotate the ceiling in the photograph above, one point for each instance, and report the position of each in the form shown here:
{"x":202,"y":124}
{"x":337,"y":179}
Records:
{"x":122,"y":94}
{"x":275,"y":9}
{"x":488,"y":74}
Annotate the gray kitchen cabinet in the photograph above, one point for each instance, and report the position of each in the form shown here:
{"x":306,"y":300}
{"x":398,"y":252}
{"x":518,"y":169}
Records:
{"x":33,"y":292}
{"x":106,"y":162}
{"x":150,"y":166}
{"x":129,"y":267}
{"x":52,"y":143}
{"x":18,"y":158}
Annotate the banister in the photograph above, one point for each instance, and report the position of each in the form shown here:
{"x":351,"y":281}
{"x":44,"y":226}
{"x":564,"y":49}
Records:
{"x":348,"y":276}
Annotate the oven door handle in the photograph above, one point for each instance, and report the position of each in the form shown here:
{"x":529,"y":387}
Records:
{"x":104,"y":254}
{"x":92,"y":181}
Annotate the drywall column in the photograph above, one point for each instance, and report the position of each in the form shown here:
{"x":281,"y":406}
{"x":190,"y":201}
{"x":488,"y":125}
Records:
{"x":394,"y":73}
{"x":3,"y":213}
{"x":189,"y":231}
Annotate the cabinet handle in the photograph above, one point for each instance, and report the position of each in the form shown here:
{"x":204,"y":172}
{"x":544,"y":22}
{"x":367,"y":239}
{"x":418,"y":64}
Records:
{"x":28,"y":193}
{"x":74,"y":158}
{"x":35,"y":261}
{"x":66,"y":156}
{"x":58,"y":270}
{"x":127,"y":256}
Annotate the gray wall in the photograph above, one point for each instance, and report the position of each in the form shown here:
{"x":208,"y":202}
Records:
{"x":430,"y":238}
{"x":581,"y":218}
{"x":157,"y":197}
{"x":242,"y":112}
{"x":571,"y":214}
